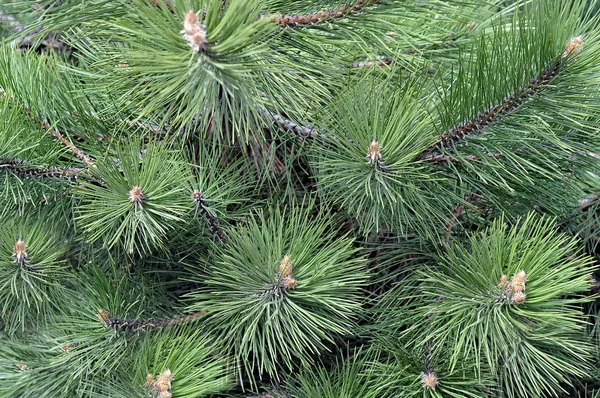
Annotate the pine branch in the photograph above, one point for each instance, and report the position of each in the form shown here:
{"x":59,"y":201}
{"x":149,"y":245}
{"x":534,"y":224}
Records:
{"x":139,"y":324}
{"x":454,"y":218}
{"x":213,"y":222}
{"x":508,"y":105}
{"x":288,"y":125}
{"x":22,"y":168}
{"x":438,"y":158}
{"x":56,"y":134}
{"x":324,"y":15}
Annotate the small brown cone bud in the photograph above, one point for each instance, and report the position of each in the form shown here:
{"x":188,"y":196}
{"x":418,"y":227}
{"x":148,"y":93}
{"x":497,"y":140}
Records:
{"x":136,"y":196}
{"x":22,"y":367}
{"x":518,"y":298}
{"x":573,"y":47}
{"x":196,"y":196}
{"x":503,"y":280}
{"x":429,"y":380}
{"x":163,"y":383}
{"x":374,"y":153}
{"x":104,"y":317}
{"x":19,"y":253}
{"x":288,"y":282}
{"x":517,"y":284}
{"x":194,"y":32}
{"x":149,"y":380}
{"x":285,"y":267}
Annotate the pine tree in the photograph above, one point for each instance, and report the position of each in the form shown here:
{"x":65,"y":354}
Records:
{"x":301,"y":198}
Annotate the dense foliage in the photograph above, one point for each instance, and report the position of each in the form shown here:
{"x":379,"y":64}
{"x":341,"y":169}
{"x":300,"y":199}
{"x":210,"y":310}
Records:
{"x":301,"y":198}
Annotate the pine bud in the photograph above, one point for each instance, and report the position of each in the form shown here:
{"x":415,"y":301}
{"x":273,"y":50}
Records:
{"x":573,"y":47}
{"x":104,"y":317}
{"x":22,"y":367}
{"x":285,"y":267}
{"x":518,"y":282}
{"x":194,"y":32}
{"x":67,"y":347}
{"x":503,"y":281}
{"x":19,"y":254}
{"x":518,"y":298}
{"x":374,"y":153}
{"x":159,"y":388}
{"x":163,"y":383}
{"x":136,"y":196}
{"x":288,"y":282}
{"x":196,"y":196}
{"x":429,"y":380}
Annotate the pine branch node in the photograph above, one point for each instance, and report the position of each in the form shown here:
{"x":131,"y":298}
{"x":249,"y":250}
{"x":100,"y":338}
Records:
{"x":454,"y":218}
{"x":213,"y":222}
{"x":56,"y":134}
{"x":509,"y":104}
{"x":324,"y":15}
{"x":131,"y":324}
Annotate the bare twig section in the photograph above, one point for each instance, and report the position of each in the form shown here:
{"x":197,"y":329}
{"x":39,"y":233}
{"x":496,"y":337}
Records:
{"x":288,"y":125}
{"x":56,"y":134}
{"x":380,"y":61}
{"x":213,"y":222}
{"x":584,"y":203}
{"x":22,"y":168}
{"x":454,"y":218}
{"x":509,"y":104}
{"x":130,"y":324}
{"x":438,"y":158}
{"x":324,"y":15}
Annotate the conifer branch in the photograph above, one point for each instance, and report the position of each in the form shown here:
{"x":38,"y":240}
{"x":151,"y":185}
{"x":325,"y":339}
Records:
{"x":131,"y":324}
{"x":288,"y":125}
{"x":454,"y":218}
{"x":22,"y":168}
{"x":380,"y":61}
{"x":324,"y":15}
{"x":56,"y":134}
{"x":213,"y":222}
{"x":508,"y":105}
{"x":438,"y":158}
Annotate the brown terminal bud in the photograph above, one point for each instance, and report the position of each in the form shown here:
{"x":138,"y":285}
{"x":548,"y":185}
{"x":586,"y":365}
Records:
{"x":429,"y":380}
{"x":518,"y":298}
{"x":104,"y":317}
{"x":149,"y":380}
{"x":197,"y":195}
{"x":374,"y":153}
{"x":517,"y":284}
{"x":573,"y":47}
{"x":136,"y":196}
{"x":163,"y":383}
{"x":503,"y":280}
{"x":19,"y":253}
{"x":194,"y":32}
{"x":22,"y":367}
{"x":285,"y":267}
{"x":288,"y":282}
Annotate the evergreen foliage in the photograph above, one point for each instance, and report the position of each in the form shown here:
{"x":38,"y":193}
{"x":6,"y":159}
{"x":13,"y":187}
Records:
{"x":303,"y":198}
